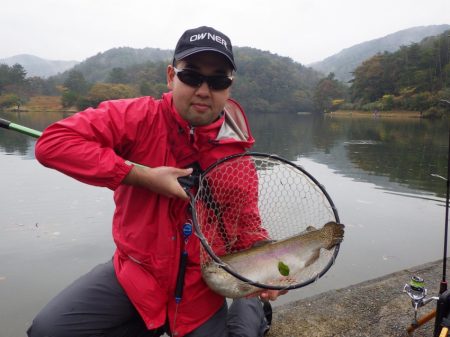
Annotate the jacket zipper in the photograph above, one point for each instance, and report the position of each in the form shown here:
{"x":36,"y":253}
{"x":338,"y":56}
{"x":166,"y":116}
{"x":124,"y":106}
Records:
{"x":191,"y":134}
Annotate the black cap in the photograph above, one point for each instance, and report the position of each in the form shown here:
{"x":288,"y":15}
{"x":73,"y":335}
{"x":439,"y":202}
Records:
{"x":203,"y":39}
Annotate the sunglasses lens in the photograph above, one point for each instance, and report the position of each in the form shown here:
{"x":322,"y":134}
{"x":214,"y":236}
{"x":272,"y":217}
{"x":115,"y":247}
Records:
{"x":219,"y":82}
{"x":190,"y":78}
{"x":195,"y":79}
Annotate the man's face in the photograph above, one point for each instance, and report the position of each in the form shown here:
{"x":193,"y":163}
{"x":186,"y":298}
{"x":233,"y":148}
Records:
{"x":199,"y":105}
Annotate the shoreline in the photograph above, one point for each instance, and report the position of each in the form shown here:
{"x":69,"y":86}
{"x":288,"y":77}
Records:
{"x":371,"y":114}
{"x":377,"y":307}
{"x":339,"y":113}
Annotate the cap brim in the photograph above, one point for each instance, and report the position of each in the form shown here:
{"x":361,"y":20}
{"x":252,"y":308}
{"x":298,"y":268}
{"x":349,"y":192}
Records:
{"x":196,"y":50}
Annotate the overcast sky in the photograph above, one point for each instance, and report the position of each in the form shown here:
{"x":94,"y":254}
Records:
{"x":305,"y":30}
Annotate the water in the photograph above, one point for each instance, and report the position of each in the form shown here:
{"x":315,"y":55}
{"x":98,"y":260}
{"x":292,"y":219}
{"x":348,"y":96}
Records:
{"x":378,"y":173}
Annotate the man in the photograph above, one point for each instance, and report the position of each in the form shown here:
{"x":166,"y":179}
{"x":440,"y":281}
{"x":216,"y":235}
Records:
{"x":133,"y":295}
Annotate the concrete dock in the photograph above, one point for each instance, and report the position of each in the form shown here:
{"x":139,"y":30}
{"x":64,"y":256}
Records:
{"x":377,"y":307}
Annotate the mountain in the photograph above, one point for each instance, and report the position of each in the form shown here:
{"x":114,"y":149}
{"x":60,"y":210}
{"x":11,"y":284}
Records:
{"x":36,"y":66}
{"x":345,"y":62}
{"x":97,"y":67}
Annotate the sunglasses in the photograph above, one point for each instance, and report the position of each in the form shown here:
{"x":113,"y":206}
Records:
{"x":194,"y":79}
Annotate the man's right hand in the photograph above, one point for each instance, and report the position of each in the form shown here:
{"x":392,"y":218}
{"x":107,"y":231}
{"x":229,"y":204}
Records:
{"x":162,"y":180}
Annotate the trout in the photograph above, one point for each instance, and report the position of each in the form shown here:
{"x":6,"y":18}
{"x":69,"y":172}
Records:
{"x":280,"y":263}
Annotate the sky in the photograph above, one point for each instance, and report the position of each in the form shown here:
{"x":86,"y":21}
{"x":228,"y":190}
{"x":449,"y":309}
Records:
{"x":304,"y":30}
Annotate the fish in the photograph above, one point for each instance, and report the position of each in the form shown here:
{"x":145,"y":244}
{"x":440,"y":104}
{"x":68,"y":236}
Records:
{"x":280,"y":263}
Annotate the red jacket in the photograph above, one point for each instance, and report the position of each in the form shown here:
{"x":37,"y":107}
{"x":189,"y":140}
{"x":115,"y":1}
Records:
{"x":92,"y":146}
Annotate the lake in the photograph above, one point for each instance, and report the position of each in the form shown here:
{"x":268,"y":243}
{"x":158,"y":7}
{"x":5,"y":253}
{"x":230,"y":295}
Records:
{"x":377,"y":171}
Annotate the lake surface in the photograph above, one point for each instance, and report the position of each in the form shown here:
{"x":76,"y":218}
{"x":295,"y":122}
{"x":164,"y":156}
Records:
{"x":377,"y":171}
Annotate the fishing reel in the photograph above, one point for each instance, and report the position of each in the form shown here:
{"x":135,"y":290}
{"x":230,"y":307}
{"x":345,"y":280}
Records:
{"x":418,"y":293}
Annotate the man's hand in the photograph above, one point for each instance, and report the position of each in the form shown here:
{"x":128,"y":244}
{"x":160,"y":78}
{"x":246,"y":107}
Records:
{"x":161,"y":180}
{"x":268,"y":294}
{"x":271,"y":295}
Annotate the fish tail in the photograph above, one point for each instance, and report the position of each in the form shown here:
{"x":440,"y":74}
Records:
{"x":335,"y":233}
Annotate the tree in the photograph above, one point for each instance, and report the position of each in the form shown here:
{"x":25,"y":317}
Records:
{"x":327,"y":91}
{"x":12,"y":79}
{"x":145,"y":88}
{"x":368,"y":81}
{"x":74,"y":88}
{"x":9,"y":100}
{"x":37,"y":86}
{"x":69,"y":98}
{"x":387,"y":102}
{"x":4,"y":77}
{"x":76,"y":83}
{"x":18,"y":74}
{"x":106,"y":91}
{"x":117,"y":75}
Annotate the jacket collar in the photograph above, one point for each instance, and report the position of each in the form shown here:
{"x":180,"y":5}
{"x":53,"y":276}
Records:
{"x":232,"y":123}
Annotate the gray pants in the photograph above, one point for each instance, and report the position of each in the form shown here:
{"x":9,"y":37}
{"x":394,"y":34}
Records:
{"x":96,"y":305}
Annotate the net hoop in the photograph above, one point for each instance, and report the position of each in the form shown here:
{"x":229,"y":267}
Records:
{"x":221,"y":264}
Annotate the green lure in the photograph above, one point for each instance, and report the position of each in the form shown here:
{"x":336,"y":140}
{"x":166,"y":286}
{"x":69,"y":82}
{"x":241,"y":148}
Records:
{"x":283,"y":268}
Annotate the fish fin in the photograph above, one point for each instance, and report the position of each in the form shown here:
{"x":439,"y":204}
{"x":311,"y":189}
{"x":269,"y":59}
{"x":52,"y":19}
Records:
{"x":308,"y":229}
{"x":335,"y":233}
{"x":262,"y":243}
{"x":247,"y":289}
{"x":313,"y":258}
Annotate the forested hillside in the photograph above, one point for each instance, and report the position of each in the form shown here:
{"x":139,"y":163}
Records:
{"x":268,"y":82}
{"x":98,"y":67}
{"x":264,"y":81}
{"x":414,"y":78}
{"x":345,"y":62}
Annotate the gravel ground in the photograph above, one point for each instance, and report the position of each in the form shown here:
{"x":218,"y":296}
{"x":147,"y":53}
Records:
{"x":373,"y":308}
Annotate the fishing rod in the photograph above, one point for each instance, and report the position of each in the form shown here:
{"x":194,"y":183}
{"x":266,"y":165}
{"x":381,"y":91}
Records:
{"x":443,"y":286}
{"x":416,"y":287}
{"x":19,"y":128}
{"x":6,"y":124}
{"x":443,"y":304}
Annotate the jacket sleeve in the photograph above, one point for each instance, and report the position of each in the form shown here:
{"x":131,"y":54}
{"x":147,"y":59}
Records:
{"x":87,"y":145}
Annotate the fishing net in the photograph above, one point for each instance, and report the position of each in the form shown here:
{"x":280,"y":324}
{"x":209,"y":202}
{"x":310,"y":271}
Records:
{"x":247,"y":200}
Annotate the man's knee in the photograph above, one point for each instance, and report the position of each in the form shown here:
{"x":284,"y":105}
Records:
{"x":43,"y":327}
{"x":246,"y":318}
